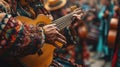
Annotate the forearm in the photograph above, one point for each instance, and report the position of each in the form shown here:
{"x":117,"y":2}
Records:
{"x":18,"y":38}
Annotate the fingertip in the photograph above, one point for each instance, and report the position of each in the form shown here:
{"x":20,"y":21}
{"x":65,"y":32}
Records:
{"x":57,"y":29}
{"x":54,"y":24}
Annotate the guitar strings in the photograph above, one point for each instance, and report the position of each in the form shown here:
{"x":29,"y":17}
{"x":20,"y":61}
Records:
{"x":61,"y":19}
{"x":64,"y":21}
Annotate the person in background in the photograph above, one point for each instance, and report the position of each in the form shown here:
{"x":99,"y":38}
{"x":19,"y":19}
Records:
{"x":105,"y":14}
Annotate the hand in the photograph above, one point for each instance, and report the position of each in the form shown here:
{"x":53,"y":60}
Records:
{"x":78,"y":14}
{"x":77,"y":20}
{"x":106,"y":14}
{"x":52,"y":34}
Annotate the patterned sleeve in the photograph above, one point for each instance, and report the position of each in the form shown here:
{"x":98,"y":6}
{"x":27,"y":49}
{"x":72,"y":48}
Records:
{"x":18,"y":39}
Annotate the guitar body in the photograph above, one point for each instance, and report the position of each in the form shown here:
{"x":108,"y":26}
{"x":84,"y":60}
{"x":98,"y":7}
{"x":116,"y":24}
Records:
{"x":46,"y":58}
{"x":112,"y":34}
{"x":82,"y":31}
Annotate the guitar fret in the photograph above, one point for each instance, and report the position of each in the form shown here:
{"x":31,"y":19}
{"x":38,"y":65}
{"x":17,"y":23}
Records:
{"x":63,"y":21}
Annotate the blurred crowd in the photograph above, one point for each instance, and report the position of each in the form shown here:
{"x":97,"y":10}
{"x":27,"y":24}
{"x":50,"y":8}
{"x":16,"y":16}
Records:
{"x":96,"y":48}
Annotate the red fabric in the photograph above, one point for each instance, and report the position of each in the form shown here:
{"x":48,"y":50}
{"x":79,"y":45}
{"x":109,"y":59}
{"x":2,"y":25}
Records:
{"x":114,"y":60}
{"x":86,"y":54}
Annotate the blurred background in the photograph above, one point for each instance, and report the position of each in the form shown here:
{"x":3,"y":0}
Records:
{"x":98,"y":46}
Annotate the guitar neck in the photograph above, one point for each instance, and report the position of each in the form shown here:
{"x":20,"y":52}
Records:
{"x":64,"y":21}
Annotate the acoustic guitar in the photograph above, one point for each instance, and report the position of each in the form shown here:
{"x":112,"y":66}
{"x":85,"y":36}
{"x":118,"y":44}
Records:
{"x":46,"y":58}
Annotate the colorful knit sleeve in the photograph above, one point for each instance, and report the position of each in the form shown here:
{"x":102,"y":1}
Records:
{"x":18,"y":39}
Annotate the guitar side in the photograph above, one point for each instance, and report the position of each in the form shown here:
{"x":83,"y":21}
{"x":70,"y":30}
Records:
{"x":46,"y":58}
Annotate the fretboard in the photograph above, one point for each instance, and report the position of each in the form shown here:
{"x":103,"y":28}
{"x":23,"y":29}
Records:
{"x":64,"y":21}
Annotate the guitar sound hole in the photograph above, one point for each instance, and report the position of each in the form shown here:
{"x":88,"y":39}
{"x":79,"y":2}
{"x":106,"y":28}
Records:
{"x":40,"y":24}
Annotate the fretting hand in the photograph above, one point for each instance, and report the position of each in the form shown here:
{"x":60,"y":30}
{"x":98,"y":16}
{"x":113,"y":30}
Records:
{"x":52,"y":34}
{"x":77,"y":17}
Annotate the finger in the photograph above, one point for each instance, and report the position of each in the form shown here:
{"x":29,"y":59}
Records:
{"x":61,"y":36}
{"x":78,"y":12}
{"x":48,"y":30}
{"x":78,"y":16}
{"x":55,"y":28}
{"x":61,"y":40}
{"x":50,"y":26}
{"x":52,"y":29}
{"x":78,"y":9}
{"x":53,"y":32}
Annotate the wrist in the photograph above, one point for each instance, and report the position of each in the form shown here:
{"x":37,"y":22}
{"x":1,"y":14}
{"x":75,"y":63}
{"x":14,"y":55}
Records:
{"x":42,"y":35}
